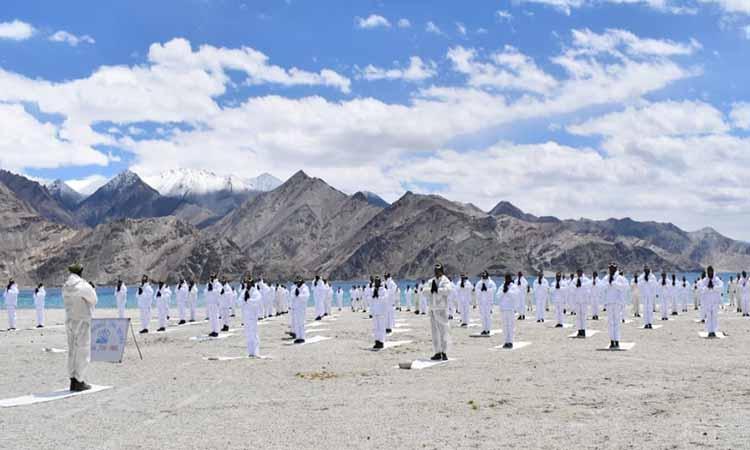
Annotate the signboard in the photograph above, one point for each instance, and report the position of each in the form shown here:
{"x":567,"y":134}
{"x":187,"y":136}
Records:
{"x":108,"y":338}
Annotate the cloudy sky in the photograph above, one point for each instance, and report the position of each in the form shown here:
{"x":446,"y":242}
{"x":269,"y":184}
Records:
{"x":574,"y":108}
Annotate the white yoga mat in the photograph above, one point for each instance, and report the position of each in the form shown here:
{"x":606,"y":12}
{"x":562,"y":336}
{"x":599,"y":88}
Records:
{"x":655,"y":326}
{"x":311,"y":340}
{"x":233,"y":358}
{"x":53,"y":350}
{"x":516,"y":346}
{"x":589,"y":333}
{"x":624,"y":347}
{"x":48,"y":397}
{"x":492,"y":333}
{"x":390,"y":344}
{"x":719,"y":335}
{"x":204,"y":338}
{"x":419,"y":364}
{"x":400,"y":330}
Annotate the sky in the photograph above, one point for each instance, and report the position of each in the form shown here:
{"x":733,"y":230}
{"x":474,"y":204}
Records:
{"x":572,"y":108}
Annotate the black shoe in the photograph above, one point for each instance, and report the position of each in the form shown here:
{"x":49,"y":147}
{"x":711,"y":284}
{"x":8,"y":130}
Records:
{"x":436,"y":357}
{"x":191,"y":320}
{"x":520,"y":318}
{"x":612,"y":345}
{"x":464,"y":325}
{"x":712,"y":334}
{"x":581,"y":334}
{"x":703,"y":320}
{"x":161,"y":329}
{"x":595,"y":318}
{"x":299,"y":341}
{"x":388,"y":331}
{"x":416,"y":312}
{"x":143,"y":331}
{"x":213,"y":334}
{"x":664,"y":318}
{"x":559,"y":325}
{"x":78,"y":386}
{"x":538,"y":321}
{"x":40,"y":326}
{"x":181,"y":322}
{"x":320,"y":318}
{"x":424,"y":314}
{"x":617,"y":344}
{"x":674,"y":313}
{"x":450,"y":317}
{"x":378,"y":345}
{"x":542,"y":320}
{"x":508,"y":345}
{"x":225,"y":328}
{"x":444,"y":357}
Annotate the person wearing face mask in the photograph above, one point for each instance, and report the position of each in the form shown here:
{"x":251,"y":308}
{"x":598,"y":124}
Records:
{"x":145,"y":298}
{"x":11,"y":301}
{"x":580,"y":292}
{"x":521,"y":285}
{"x":541,"y":293}
{"x":181,"y":294}
{"x":559,"y":299}
{"x":439,"y":288}
{"x":744,"y":287}
{"x":423,"y":298}
{"x":711,"y":288}
{"x":300,"y":297}
{"x":674,"y":296}
{"x":649,"y":288}
{"x":192,"y":299}
{"x":319,"y":294}
{"x":39,"y":296}
{"x":79,"y":298}
{"x":507,"y":296}
{"x":595,"y":295}
{"x":615,"y":287}
{"x":379,"y":305}
{"x":684,"y":293}
{"x":485,"y":290}
{"x":664,"y":294}
{"x":212,"y":292}
{"x":121,"y":298}
{"x":464,"y":299}
{"x":391,"y":292}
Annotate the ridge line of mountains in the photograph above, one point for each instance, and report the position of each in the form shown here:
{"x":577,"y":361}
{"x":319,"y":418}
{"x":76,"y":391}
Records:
{"x":189,"y":227}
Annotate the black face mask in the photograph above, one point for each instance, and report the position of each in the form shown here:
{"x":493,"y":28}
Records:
{"x":484,"y":287}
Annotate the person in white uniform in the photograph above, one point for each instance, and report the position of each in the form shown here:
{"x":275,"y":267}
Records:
{"x":615,"y":287}
{"x":664,"y":293}
{"x":121,"y":298}
{"x":163,"y":294}
{"x":464,"y":299}
{"x":251,"y":303}
{"x":744,"y":287}
{"x":145,"y":298}
{"x":485,"y":290}
{"x":379,"y":305}
{"x":540,"y":289}
{"x":319,"y":296}
{"x":181,"y":295}
{"x":79,"y":298}
{"x":212,"y":293}
{"x":507,"y":296}
{"x":226,"y":299}
{"x":39,"y":296}
{"x":711,"y":288}
{"x":192,"y":299}
{"x":438,"y":289}
{"x":595,"y":295}
{"x":579,"y":293}
{"x":521,"y":285}
{"x":559,"y":299}
{"x":648,"y":287}
{"x":300,"y":297}
{"x":340,"y":298}
{"x":11,"y":301}
{"x":635,"y":294}
{"x":392,"y":297}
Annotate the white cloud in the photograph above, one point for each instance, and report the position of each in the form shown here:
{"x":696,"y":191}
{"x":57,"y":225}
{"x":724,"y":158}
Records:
{"x":372,"y":21}
{"x":461,"y":28}
{"x":614,"y":41}
{"x":71,"y":39}
{"x":503,"y":15}
{"x":432,"y":28}
{"x":746,"y":31}
{"x":666,"y":6}
{"x":740,"y":115}
{"x":87,"y":185}
{"x":404,"y":23}
{"x":730,"y":6}
{"x":16,"y":30}
{"x":417,"y":70}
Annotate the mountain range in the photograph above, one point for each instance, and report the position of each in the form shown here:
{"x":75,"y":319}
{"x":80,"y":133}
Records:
{"x":172,"y":227}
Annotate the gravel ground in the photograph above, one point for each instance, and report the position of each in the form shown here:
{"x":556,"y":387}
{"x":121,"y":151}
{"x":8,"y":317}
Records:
{"x":673,"y":390}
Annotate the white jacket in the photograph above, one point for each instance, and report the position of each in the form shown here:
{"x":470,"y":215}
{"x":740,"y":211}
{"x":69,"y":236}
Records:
{"x":79,"y":298}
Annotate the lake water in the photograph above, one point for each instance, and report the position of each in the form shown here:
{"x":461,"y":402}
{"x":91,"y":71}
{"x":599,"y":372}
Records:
{"x":107,"y":298}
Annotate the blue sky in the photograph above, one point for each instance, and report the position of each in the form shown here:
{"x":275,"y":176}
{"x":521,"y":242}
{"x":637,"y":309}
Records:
{"x":591,"y":108}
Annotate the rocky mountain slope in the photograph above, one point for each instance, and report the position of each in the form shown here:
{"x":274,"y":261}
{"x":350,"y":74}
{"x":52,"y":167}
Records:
{"x":64,"y":194}
{"x":38,"y":198}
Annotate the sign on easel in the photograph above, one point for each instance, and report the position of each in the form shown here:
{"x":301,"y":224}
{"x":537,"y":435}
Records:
{"x":108,"y":338}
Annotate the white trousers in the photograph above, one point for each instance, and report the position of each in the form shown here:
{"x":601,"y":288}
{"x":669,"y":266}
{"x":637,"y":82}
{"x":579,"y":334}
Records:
{"x":423,"y":305}
{"x":648,"y":311}
{"x":509,"y":323}
{"x":439,"y":326}
{"x":162,"y":310}
{"x":225,"y":315}
{"x":712,"y":318}
{"x":40,"y":314}
{"x":664,"y":307}
{"x":191,"y":307}
{"x":213,"y":317}
{"x":581,"y":316}
{"x":465,"y":306}
{"x":145,"y":316}
{"x":636,"y":305}
{"x":485,"y":310}
{"x":320,"y":307}
{"x":614,"y":321}
{"x":79,"y":347}
{"x":745,"y":304}
{"x":121,"y":309}
{"x":251,"y":336}
{"x":390,"y":317}
{"x":559,"y":313}
{"x":378,"y":327}
{"x":181,"y":310}
{"x":540,"y":309}
{"x":299,"y":319}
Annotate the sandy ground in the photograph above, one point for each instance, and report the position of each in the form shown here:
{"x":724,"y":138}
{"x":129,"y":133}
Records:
{"x":673,"y":390}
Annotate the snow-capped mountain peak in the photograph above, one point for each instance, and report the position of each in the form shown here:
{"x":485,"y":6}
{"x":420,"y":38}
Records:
{"x":64,"y":193}
{"x":185,"y":182}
